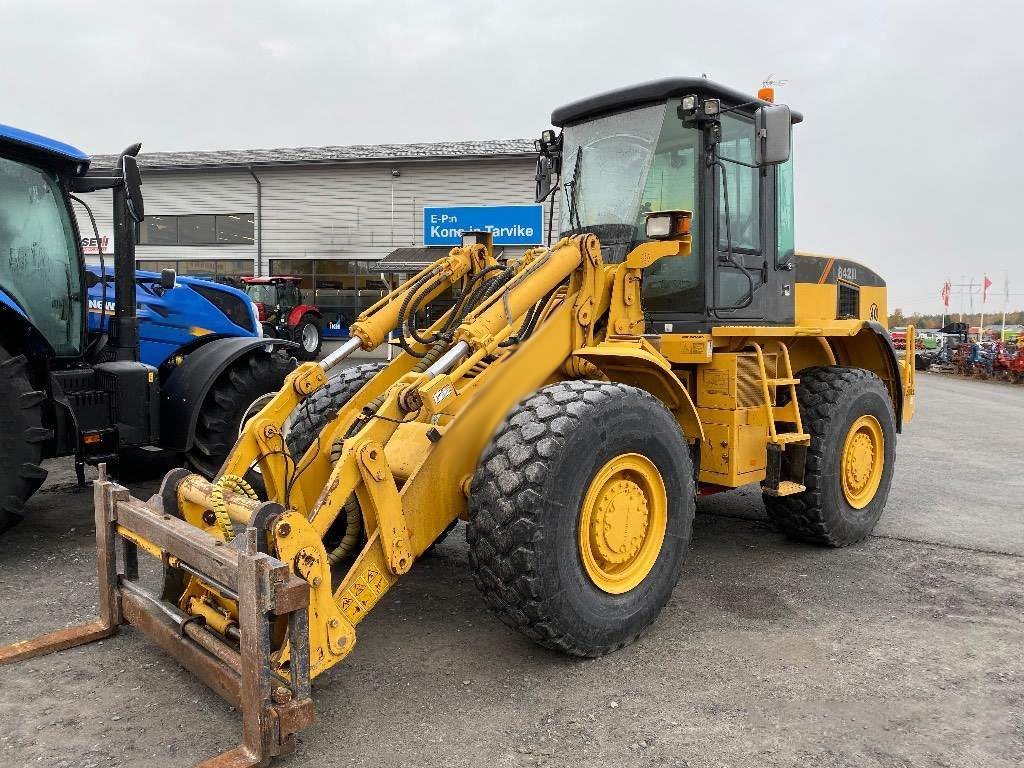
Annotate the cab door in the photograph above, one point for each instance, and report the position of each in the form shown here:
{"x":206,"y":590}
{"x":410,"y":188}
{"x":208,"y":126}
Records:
{"x":740,"y":263}
{"x":753,"y":280}
{"x":40,"y":266}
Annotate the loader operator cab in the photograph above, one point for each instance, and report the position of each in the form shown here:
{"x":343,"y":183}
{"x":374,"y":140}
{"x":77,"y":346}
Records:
{"x":683,"y":144}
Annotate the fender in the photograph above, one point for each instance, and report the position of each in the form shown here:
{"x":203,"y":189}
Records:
{"x":888,"y":351}
{"x":303,"y":309}
{"x":187,"y":385}
{"x":872,"y":348}
{"x":638,"y":364}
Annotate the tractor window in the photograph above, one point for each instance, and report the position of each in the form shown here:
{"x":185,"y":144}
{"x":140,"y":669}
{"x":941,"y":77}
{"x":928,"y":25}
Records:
{"x":290,"y":295}
{"x":39,"y":261}
{"x":262,"y":294}
{"x":676,"y":284}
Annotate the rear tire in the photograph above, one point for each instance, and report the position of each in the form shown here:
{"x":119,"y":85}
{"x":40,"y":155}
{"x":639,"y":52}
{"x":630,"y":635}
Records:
{"x":530,"y":498}
{"x":832,"y":400}
{"x":22,"y":435}
{"x":229,"y":401}
{"x":308,"y":334}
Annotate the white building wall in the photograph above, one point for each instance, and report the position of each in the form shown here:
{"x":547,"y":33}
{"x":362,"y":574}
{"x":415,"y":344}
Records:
{"x":181,"y":193}
{"x":364,"y":211}
{"x":344,"y":211}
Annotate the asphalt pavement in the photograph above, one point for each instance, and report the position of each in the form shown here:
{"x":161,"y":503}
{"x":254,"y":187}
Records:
{"x":905,"y":650}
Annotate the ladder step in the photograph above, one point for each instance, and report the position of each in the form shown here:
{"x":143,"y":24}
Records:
{"x":790,"y":437}
{"x":786,"y":488}
{"x":781,"y":382}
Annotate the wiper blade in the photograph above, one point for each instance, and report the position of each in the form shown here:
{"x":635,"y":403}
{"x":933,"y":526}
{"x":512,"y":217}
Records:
{"x":570,"y":192}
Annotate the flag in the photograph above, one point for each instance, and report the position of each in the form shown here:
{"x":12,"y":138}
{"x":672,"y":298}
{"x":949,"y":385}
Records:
{"x":986,"y":284}
{"x":945,"y":294}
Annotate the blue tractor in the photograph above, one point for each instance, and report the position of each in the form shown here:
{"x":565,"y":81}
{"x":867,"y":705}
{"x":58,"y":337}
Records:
{"x":97,"y":363}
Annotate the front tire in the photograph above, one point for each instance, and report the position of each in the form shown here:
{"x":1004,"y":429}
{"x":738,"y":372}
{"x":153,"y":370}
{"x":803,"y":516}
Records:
{"x":849,"y":416}
{"x":308,"y":334}
{"x":234,"y":397}
{"x":580,"y":515}
{"x":22,"y":435}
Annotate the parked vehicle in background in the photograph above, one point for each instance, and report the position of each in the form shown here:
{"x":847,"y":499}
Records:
{"x":97,"y":362}
{"x":283,"y":314}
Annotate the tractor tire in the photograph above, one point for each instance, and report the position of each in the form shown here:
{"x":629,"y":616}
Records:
{"x":309,"y":335}
{"x":238,"y":394}
{"x":22,"y":435}
{"x":305,"y":423}
{"x":543,"y":506}
{"x":839,"y":407}
{"x":313,"y":413}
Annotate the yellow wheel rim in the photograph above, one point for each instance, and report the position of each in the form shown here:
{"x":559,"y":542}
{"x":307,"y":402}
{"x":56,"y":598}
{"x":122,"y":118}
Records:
{"x":622,"y":523}
{"x":862,"y":461}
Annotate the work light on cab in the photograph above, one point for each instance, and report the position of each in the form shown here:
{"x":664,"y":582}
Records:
{"x":668,"y":225}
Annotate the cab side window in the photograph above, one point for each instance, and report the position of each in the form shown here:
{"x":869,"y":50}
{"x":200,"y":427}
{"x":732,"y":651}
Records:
{"x":743,"y":185}
{"x":785,"y":235}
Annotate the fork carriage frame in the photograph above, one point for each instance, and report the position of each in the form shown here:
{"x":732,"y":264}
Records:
{"x":273,"y":709}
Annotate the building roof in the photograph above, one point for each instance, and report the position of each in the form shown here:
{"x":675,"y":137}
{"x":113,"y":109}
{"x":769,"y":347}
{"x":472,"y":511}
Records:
{"x":411,"y":259}
{"x":242,"y":158}
{"x":45,"y":148}
{"x":649,"y":93}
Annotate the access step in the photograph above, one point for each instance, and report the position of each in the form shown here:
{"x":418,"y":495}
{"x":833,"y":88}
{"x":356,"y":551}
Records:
{"x":786,"y":488}
{"x":780,"y":382}
{"x":784,"y":438}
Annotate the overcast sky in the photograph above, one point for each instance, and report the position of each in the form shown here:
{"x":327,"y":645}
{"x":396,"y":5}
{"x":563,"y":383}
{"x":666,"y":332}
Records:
{"x":909,"y":159}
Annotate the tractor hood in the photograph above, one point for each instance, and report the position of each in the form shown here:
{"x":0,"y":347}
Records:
{"x":192,"y":312}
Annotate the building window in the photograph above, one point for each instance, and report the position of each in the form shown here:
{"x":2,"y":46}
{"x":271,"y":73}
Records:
{"x":340,"y":288}
{"x":222,"y":270}
{"x":199,"y":229}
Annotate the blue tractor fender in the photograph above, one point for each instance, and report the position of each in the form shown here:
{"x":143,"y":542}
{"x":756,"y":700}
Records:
{"x":186,"y":386}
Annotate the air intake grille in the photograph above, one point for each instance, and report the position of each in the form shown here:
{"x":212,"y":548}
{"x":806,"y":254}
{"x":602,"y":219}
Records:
{"x":849,"y":302}
{"x":749,"y":393}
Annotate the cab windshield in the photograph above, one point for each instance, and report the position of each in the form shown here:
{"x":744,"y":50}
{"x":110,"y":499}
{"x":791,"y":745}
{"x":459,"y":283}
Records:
{"x":617,"y":169}
{"x":262,"y":293}
{"x":39,"y":263}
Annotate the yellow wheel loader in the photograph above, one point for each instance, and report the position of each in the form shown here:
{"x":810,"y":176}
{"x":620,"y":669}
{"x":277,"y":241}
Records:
{"x":570,"y":407}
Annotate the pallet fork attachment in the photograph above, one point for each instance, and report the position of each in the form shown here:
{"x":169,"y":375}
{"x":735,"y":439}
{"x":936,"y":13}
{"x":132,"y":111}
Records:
{"x":273,"y":709}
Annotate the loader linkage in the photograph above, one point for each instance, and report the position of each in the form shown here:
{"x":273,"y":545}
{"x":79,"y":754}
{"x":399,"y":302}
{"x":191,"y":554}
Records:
{"x":273,"y":708}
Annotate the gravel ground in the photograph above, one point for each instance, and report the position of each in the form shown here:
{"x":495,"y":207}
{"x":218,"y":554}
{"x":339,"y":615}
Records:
{"x":902,"y":651}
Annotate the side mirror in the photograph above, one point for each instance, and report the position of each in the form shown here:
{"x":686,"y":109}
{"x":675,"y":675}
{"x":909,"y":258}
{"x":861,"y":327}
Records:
{"x":167,"y":278}
{"x":133,"y":187}
{"x":773,"y":128}
{"x":543,"y":177}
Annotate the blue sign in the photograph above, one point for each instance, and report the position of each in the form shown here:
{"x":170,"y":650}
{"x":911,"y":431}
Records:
{"x":510,"y":224}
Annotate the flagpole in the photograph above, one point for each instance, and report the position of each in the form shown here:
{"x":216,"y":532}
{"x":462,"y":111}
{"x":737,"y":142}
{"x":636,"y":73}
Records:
{"x":1006,"y":298}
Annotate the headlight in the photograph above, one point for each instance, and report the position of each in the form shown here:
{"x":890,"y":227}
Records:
{"x":664,"y":225}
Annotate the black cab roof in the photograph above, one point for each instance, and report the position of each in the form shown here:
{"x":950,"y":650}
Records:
{"x":650,"y":93}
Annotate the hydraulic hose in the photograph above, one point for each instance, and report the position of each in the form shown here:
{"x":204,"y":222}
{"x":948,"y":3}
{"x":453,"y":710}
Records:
{"x":353,"y":514}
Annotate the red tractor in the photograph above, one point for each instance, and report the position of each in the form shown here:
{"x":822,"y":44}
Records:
{"x":284,"y":316}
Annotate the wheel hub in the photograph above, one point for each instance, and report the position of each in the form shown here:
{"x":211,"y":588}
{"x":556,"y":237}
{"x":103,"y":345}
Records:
{"x":862,"y":461}
{"x":623,"y":520}
{"x":309,"y":338}
{"x":619,"y":527}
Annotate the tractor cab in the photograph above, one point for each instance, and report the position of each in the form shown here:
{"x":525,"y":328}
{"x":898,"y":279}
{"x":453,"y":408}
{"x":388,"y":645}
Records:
{"x":683,"y":144}
{"x":283,"y":313}
{"x":41,"y":273}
